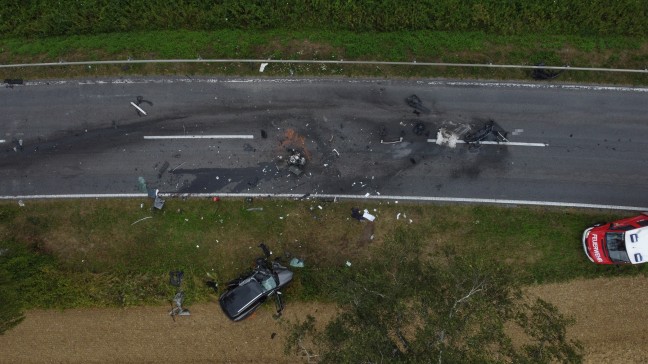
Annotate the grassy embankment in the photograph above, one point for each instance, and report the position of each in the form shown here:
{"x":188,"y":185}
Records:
{"x":88,"y":252}
{"x":578,"y":33}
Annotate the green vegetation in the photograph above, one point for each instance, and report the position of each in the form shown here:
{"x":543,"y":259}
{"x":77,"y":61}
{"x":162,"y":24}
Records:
{"x":71,"y":17}
{"x":400,"y":307}
{"x":422,"y":46}
{"x":89,"y":253}
{"x":575,"y":33}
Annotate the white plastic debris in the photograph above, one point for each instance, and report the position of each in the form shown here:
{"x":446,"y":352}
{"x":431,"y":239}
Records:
{"x":263,"y":66}
{"x":320,"y":207}
{"x":398,"y":216}
{"x":368,"y":216}
{"x":348,"y":263}
{"x":367,"y":194}
{"x":21,"y":203}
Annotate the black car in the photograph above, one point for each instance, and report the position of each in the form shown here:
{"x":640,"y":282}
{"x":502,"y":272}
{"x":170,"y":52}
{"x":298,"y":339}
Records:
{"x":246,"y":293}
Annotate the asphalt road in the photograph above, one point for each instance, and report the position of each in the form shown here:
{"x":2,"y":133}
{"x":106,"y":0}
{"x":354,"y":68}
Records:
{"x":85,"y":137}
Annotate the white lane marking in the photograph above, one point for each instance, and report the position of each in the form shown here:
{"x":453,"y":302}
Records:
{"x":2,"y":140}
{"x":309,"y":80}
{"x":138,"y":108}
{"x":501,"y":143}
{"x":152,"y":137}
{"x":350,"y":197}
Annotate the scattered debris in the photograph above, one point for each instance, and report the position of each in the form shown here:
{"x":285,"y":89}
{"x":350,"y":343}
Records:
{"x":297,"y":263}
{"x":212,"y":284}
{"x":489,"y":129}
{"x":11,"y":82}
{"x":348,"y":263}
{"x":368,"y":216}
{"x":21,"y":203}
{"x":255,"y":209}
{"x":178,"y":310}
{"x":355,"y":213}
{"x":296,"y":162}
{"x":175,"y":279}
{"x":215,"y":198}
{"x":142,"y":219}
{"x":140,"y":100}
{"x":158,"y":203}
{"x":140,"y":111}
{"x":416,"y":103}
{"x":336,"y":152}
{"x":543,"y":74}
{"x":264,"y":134}
{"x":386,"y":139}
{"x":445,"y":137}
{"x":263,"y":66}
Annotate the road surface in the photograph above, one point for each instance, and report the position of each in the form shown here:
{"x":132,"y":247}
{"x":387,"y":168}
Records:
{"x":578,"y":144}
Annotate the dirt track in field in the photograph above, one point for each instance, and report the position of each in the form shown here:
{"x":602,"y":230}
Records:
{"x":611,"y":323}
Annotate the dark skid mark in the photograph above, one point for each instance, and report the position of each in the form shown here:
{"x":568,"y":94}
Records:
{"x":79,"y":141}
{"x":243,"y":179}
{"x":489,"y":158}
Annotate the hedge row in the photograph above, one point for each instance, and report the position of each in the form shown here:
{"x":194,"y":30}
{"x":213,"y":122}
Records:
{"x":37,"y":18}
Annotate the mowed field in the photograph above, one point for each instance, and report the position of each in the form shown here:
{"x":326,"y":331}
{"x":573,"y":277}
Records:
{"x":609,"y":313}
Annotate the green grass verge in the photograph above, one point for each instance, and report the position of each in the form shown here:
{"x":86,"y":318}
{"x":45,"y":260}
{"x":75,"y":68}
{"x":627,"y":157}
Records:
{"x":86,"y":253}
{"x":421,"y":45}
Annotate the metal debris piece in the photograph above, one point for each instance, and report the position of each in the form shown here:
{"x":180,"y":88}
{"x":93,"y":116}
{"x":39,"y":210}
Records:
{"x":489,"y":129}
{"x":178,"y":299}
{"x":175,"y":278}
{"x":140,"y":111}
{"x":355,"y":213}
{"x":416,"y":103}
{"x":297,"y":263}
{"x":296,"y":162}
{"x":159,"y":203}
{"x":142,"y":219}
{"x":368,"y":216}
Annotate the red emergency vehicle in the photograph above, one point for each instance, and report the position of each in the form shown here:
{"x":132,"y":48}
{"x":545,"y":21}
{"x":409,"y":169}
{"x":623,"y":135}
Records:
{"x":620,"y":242}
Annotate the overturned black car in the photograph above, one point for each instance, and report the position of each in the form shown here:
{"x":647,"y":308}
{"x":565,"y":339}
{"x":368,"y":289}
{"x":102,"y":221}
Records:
{"x":246,"y":293}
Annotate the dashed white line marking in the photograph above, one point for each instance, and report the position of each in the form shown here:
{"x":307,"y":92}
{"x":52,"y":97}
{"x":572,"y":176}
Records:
{"x":151,"y":137}
{"x":519,"y":144}
{"x":2,"y":140}
{"x":350,"y":197}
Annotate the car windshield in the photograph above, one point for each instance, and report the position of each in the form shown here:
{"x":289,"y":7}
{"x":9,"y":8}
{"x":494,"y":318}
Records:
{"x":616,"y":247}
{"x":268,"y":283}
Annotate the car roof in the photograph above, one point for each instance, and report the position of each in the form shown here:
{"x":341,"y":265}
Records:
{"x":235,"y":301}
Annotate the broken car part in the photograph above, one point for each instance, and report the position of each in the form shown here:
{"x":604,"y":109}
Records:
{"x":415,"y":102}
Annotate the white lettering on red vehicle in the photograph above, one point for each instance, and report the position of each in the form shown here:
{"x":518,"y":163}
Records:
{"x":595,"y":246}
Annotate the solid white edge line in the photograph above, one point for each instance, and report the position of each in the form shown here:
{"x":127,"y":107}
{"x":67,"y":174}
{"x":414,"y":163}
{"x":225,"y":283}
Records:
{"x":153,"y":137}
{"x":501,"y":143}
{"x":311,"y":80}
{"x":348,"y":197}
